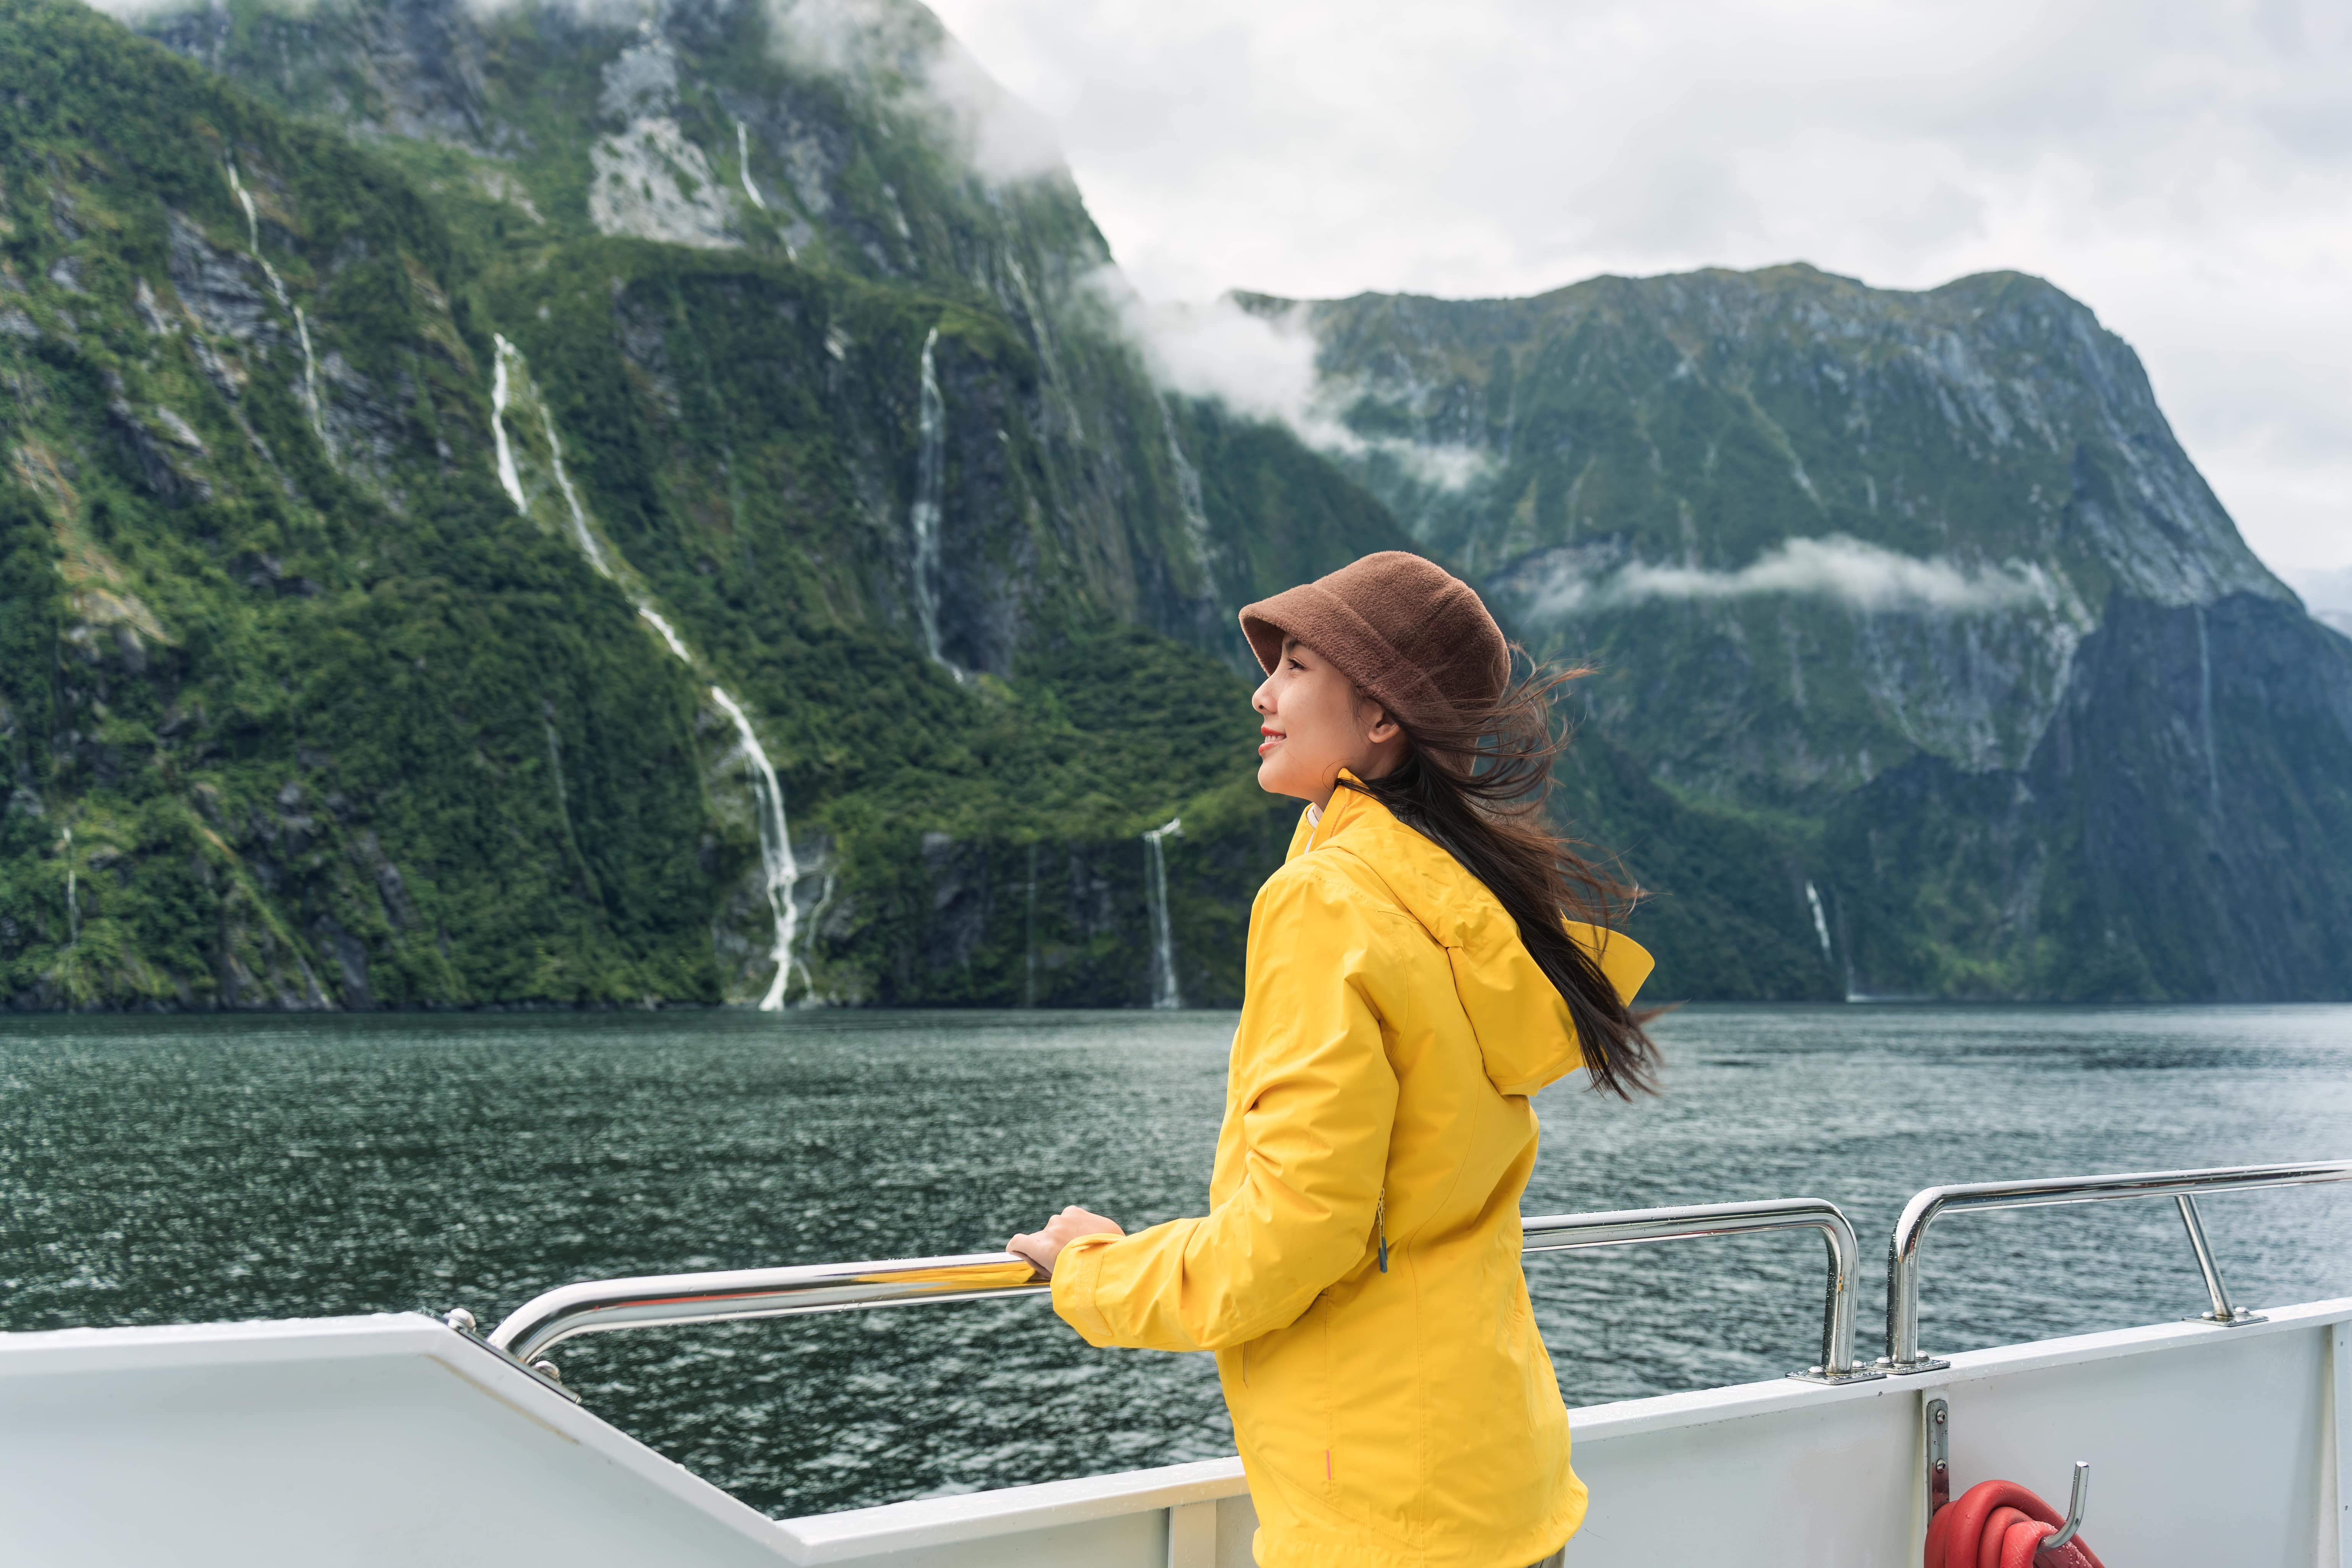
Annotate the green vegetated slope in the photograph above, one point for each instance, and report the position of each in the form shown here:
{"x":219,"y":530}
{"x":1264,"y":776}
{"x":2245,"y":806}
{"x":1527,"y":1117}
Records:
{"x":1926,"y":663}
{"x":1914,"y":596}
{"x":324,"y":686}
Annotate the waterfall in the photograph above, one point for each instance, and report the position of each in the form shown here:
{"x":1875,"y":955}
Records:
{"x":580,"y":534}
{"x":667,"y":636}
{"x":1045,"y":353}
{"x":2205,"y":713}
{"x":277,"y":288}
{"x":310,"y":376}
{"x":245,"y":200}
{"x":775,"y":847}
{"x":930,"y":483}
{"x":1821,"y":924}
{"x":500,"y":390}
{"x":1187,"y":497}
{"x":73,"y":896}
{"x":1164,"y":993}
{"x":743,"y":165}
{"x":1029,"y":937}
{"x":781,"y":873}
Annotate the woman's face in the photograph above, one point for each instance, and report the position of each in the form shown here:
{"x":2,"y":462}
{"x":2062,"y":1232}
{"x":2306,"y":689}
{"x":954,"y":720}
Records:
{"x":1315,"y":723}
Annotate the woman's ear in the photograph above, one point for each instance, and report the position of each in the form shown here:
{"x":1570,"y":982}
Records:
{"x":1384,"y":729}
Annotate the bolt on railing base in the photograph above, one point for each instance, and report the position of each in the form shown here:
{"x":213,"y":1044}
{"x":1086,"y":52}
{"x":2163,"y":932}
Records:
{"x":1909,"y":1368}
{"x":461,"y":1323}
{"x":1835,"y":1379}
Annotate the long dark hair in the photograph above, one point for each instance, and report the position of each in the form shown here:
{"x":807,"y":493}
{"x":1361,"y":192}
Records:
{"x":1476,"y":788}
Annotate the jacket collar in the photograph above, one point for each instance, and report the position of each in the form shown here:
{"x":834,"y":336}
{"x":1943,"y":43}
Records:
{"x":1345,"y":806}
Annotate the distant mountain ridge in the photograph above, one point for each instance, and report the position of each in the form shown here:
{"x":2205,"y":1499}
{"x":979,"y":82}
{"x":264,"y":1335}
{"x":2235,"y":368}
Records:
{"x":1869,"y":569}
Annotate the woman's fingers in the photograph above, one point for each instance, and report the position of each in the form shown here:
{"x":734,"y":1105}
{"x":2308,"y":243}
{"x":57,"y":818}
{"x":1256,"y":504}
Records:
{"x":1044,"y":1246}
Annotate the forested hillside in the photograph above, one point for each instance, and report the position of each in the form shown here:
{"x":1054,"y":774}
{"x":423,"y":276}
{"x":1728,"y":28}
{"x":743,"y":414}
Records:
{"x":535,"y":505}
{"x":396,"y":536}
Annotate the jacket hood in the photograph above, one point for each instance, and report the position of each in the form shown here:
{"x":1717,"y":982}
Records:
{"x":1526,"y":1038}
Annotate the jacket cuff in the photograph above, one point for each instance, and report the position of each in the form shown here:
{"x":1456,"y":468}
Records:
{"x":1076,"y":1273}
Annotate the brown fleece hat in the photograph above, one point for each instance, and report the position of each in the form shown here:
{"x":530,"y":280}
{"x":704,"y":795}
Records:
{"x":1410,"y":633}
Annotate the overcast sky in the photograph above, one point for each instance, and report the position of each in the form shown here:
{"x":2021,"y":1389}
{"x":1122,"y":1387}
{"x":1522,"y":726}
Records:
{"x":2186,"y":169}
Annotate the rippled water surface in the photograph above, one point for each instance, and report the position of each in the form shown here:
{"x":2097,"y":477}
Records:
{"x":177,"y":1170}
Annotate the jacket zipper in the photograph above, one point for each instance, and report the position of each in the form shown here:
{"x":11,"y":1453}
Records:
{"x":1380,"y":1226}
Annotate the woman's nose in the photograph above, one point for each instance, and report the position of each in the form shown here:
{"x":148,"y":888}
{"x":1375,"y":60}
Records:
{"x":1261,"y":699}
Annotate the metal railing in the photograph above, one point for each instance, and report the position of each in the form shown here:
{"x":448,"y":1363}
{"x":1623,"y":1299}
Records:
{"x":661,"y":1301}
{"x":1902,"y":1252}
{"x":1560,"y":1233}
{"x":667,"y":1300}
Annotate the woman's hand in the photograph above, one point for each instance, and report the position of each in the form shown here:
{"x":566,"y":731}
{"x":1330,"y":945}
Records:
{"x":1044,"y":1246}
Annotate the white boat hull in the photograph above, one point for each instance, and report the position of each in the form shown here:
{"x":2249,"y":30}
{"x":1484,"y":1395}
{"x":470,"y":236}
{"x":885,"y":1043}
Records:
{"x":392,"y":1441}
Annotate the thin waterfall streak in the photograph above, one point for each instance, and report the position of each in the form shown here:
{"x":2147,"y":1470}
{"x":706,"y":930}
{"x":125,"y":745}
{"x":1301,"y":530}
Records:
{"x":1046,"y":351}
{"x":667,"y":636}
{"x":310,"y":376}
{"x":245,"y":200}
{"x":743,"y":166}
{"x":1164,"y":992}
{"x":73,"y":896}
{"x":1029,"y":937}
{"x":815,"y":914}
{"x":1188,"y":498}
{"x":580,"y":534}
{"x":1821,"y":923}
{"x":776,"y":860}
{"x":924,"y":517}
{"x":500,"y":393}
{"x":2205,"y":713}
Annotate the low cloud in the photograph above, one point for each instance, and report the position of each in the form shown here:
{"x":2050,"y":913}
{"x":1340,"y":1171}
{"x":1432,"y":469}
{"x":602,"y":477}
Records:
{"x":1845,"y":570}
{"x":1261,"y":364}
{"x":898,"y":51}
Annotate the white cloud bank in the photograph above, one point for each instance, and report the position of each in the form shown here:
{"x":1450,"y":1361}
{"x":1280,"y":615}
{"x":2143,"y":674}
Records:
{"x":1262,"y":365}
{"x":2179,"y":165}
{"x":1845,"y":570}
{"x":998,"y":136}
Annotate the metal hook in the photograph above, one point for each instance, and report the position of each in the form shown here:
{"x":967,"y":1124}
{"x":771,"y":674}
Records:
{"x":2075,"y":1506}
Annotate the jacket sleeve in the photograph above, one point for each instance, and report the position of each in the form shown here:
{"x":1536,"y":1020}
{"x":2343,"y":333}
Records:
{"x":1317,"y":1101}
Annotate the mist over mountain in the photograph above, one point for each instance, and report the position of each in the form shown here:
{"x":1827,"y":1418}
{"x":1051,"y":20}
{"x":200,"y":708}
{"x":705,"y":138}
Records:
{"x":600,"y":503}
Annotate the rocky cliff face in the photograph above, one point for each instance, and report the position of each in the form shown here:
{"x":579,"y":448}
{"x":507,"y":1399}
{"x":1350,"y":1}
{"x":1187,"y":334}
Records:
{"x":644,"y":522}
{"x":503,"y":506}
{"x":1918,"y":586}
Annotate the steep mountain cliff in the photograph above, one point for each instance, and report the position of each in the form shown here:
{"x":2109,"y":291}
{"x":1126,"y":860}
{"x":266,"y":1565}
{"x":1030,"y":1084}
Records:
{"x":650,"y":520}
{"x":1917,"y":587}
{"x":545,"y":504}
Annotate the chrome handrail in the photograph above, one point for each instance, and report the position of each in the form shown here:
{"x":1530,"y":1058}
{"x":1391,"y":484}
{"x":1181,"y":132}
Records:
{"x":1903,"y":1250}
{"x":599,"y":1306}
{"x":1562,"y":1232}
{"x":664,"y":1301}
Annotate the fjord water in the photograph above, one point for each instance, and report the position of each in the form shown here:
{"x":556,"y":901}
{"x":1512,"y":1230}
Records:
{"x":163,"y":1170}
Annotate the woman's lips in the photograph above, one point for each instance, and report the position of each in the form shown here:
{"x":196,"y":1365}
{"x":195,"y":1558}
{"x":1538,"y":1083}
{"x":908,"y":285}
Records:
{"x":1273,"y":738}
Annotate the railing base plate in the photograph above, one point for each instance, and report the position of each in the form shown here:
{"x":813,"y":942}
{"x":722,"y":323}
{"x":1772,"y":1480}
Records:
{"x":1911,"y":1368}
{"x":1836,"y":1379}
{"x":2234,"y":1321}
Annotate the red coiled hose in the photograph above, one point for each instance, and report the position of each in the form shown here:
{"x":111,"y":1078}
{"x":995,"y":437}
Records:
{"x":2000,"y":1524}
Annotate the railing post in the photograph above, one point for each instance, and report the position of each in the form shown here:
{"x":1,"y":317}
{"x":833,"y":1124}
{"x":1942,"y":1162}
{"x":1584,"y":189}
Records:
{"x":2222,"y":1312}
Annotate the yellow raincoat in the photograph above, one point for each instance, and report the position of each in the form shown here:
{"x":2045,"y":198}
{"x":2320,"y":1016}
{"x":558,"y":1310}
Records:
{"x":1393,"y":1028}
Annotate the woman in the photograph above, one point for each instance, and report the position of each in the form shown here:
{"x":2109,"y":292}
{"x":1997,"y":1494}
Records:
{"x":1410,"y":983}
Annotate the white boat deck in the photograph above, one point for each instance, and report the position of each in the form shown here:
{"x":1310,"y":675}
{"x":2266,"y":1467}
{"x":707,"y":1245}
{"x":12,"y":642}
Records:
{"x":392,"y":1441}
